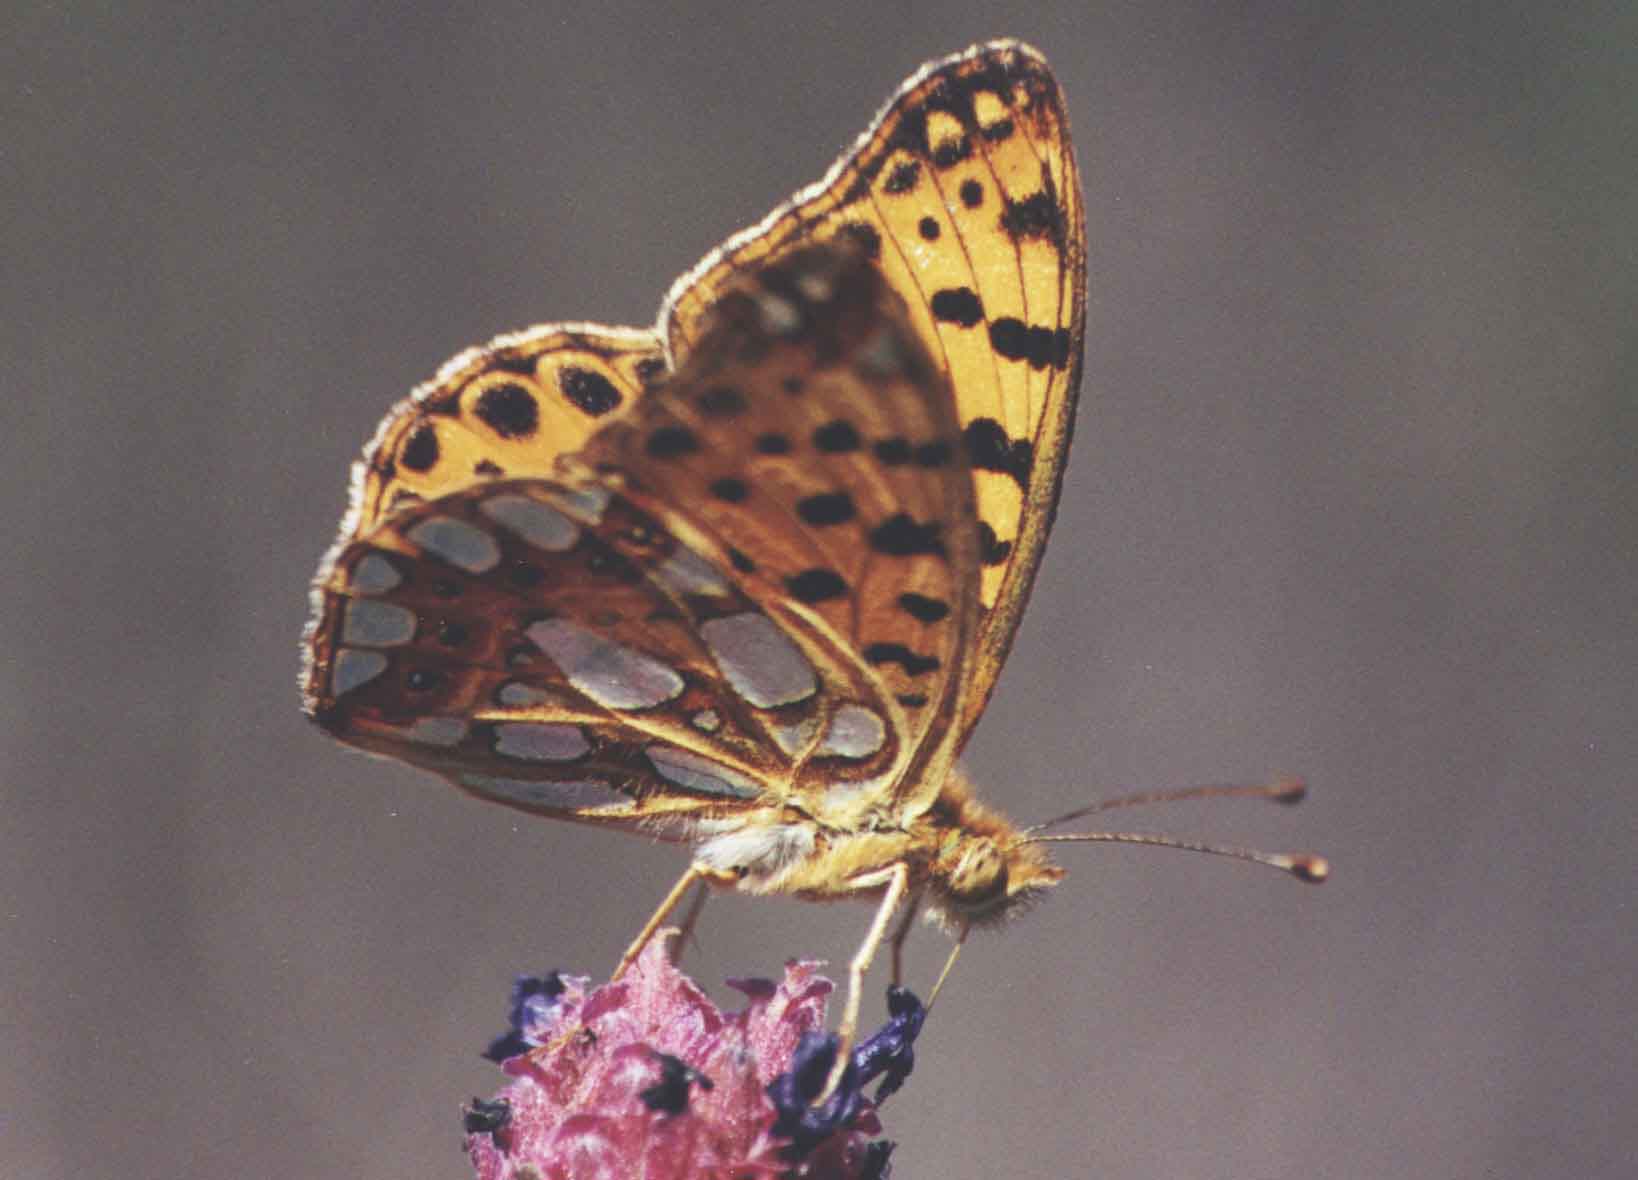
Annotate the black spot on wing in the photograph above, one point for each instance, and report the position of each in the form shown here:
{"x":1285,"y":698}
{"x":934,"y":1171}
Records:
{"x":722,"y":401}
{"x":836,"y":437}
{"x":897,"y":653}
{"x":903,"y":178}
{"x":957,"y":305}
{"x":989,"y":449}
{"x":947,"y":153}
{"x":420,"y":451}
{"x":998,"y":131}
{"x":826,"y":508}
{"x":972,"y":193}
{"x":730,"y":490}
{"x":865,"y":236}
{"x":1041,"y":347}
{"x":594,"y":394}
{"x":649,"y":372}
{"x":509,"y":410}
{"x":671,"y":442}
{"x":991,"y":549}
{"x":934,"y":454}
{"x":922,"y":608}
{"x":894,"y":452}
{"x":1036,"y":216}
{"x":816,"y":585}
{"x":929,"y":229}
{"x":772,"y":444}
{"x":901,"y":536}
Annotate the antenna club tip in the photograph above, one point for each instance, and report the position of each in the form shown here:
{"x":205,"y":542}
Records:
{"x":1288,"y":790}
{"x":1305,"y":866}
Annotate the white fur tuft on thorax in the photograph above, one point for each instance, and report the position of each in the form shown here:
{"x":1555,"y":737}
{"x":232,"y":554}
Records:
{"x":758,"y":853}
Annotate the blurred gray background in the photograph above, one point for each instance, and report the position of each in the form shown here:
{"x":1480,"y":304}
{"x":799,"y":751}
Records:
{"x":1353,"y":496}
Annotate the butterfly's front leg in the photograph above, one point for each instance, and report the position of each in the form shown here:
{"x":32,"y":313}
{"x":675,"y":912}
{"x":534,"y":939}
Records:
{"x":896,"y":878}
{"x":696,"y":874}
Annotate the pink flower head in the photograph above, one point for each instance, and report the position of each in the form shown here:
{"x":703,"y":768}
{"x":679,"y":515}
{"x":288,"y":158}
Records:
{"x":647,"y":1077}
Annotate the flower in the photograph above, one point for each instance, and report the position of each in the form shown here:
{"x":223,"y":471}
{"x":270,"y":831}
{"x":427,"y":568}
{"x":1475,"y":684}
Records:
{"x":647,"y":1077}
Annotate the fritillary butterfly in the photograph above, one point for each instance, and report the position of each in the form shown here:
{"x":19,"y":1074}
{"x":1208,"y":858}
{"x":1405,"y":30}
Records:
{"x":745,"y":580}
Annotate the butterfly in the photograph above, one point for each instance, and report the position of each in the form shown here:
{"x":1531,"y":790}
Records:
{"x":745,"y":580}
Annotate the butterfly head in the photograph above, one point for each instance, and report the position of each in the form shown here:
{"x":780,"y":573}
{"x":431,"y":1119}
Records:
{"x":985,"y":870}
{"x":985,"y":880}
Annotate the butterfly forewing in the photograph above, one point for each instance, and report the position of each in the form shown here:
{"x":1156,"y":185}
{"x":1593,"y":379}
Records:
{"x":965,"y":191}
{"x":810,"y":445}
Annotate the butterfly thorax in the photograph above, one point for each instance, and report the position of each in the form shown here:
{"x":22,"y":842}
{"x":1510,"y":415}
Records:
{"x":971,"y":864}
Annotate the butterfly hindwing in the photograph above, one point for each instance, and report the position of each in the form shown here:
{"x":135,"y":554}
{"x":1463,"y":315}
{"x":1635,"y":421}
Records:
{"x":507,"y":409}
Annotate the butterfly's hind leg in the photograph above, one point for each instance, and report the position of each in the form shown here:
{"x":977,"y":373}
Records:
{"x":685,"y":928}
{"x":896,"y":878}
{"x":696,"y":875}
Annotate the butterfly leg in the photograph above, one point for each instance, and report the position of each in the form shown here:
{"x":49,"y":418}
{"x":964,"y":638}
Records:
{"x":896,"y":878}
{"x":901,"y":934}
{"x":948,"y":963}
{"x":696,"y":874}
{"x":685,"y":928}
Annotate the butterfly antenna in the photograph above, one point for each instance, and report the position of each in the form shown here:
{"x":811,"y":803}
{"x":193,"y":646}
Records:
{"x":1305,"y":866}
{"x":1282,"y":790}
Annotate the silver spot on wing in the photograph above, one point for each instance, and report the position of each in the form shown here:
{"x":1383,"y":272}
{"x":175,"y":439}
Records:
{"x":515,"y":694}
{"x":581,"y":793}
{"x":586,"y":505}
{"x":611,"y":674}
{"x":759,"y":660}
{"x":793,"y":739}
{"x":540,"y":741}
{"x":541,"y":525}
{"x":353,"y":668}
{"x":779,"y":316}
{"x":376,"y":624}
{"x":457,"y":542}
{"x":373,"y":574}
{"x":686,"y":572}
{"x":436,"y":731}
{"x":700,"y":774}
{"x":855,"y":732}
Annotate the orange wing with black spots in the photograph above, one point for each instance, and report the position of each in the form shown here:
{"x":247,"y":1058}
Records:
{"x":832,"y":467}
{"x":510,"y":408}
{"x":964,"y":189}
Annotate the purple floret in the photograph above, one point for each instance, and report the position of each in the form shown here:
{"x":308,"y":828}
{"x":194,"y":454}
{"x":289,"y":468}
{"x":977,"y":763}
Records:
{"x":647,"y":1077}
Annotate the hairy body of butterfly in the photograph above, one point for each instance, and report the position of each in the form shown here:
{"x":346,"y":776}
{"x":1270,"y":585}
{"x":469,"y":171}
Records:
{"x":746,"y":581}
